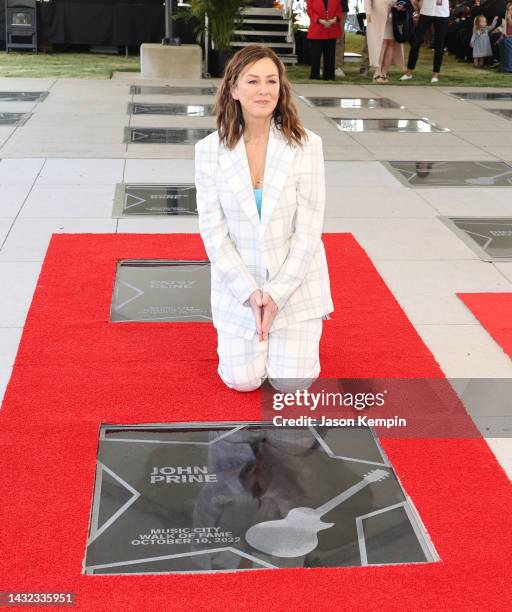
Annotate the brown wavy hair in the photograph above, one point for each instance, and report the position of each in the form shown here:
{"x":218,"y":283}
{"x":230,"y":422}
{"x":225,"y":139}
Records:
{"x":228,"y":111}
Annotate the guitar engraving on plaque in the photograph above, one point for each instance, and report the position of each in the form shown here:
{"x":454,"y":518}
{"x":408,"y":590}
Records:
{"x":296,"y":535}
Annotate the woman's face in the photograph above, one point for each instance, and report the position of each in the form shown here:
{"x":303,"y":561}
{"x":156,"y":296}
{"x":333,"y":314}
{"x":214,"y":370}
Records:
{"x":257,"y":89}
{"x":482,"y":22}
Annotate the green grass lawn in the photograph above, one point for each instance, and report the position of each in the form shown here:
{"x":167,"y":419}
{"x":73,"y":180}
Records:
{"x":69,"y":65}
{"x":96,"y":66}
{"x":452,"y":72}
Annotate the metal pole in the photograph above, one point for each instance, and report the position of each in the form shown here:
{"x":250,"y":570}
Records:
{"x":168,"y":11}
{"x":206,"y":44}
{"x":169,"y":38}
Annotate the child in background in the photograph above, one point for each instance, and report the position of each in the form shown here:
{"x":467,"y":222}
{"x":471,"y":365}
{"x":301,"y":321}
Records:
{"x":480,"y":41}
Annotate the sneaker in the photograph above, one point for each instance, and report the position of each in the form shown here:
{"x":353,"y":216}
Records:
{"x":339,"y":72}
{"x":434,"y":80}
{"x":406,"y":77}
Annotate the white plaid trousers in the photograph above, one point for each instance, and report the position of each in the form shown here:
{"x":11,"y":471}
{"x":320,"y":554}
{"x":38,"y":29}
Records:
{"x":289,"y":358}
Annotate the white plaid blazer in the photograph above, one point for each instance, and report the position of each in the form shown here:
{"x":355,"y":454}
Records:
{"x":282,"y":254}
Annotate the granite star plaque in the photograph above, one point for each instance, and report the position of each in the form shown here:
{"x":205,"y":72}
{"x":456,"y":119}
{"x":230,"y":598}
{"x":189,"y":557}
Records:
{"x":386,"y":125}
{"x":183,"y":110}
{"x":23,"y":96}
{"x":481,"y":95}
{"x":162,"y":290}
{"x":451,"y":173}
{"x":155,"y":200}
{"x":506,"y":113}
{"x":14,"y":118}
{"x":489,"y":237}
{"x":150,"y":135}
{"x":235,"y":496}
{"x":171,"y":90}
{"x":335,"y":102}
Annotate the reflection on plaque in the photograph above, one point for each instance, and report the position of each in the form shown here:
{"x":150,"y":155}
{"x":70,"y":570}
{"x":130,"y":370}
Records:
{"x":172,"y":91}
{"x":141,"y":135}
{"x":352,"y":57}
{"x":187,"y":110}
{"x":506,"y":113}
{"x":452,"y":173}
{"x":14,"y":118}
{"x":162,"y":290}
{"x":386,"y":125}
{"x":332,"y":102}
{"x":489,"y":237}
{"x":236,"y":496}
{"x":155,"y":199}
{"x":481,"y":95}
{"x":22,"y":96}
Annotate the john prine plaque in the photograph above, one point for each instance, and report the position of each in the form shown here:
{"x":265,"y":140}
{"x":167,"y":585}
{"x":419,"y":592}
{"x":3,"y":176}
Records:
{"x":236,"y":496}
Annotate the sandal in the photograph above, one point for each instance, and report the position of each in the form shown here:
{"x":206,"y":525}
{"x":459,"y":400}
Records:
{"x":380,"y":79}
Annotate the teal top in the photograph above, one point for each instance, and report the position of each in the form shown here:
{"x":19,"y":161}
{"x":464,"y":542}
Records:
{"x":258,"y":194}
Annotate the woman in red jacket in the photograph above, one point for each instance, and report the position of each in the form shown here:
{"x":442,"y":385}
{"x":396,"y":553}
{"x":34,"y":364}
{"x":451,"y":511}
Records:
{"x":325,"y":18}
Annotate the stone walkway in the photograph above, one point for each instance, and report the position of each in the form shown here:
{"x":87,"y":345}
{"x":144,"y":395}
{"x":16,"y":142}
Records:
{"x":59,"y":171}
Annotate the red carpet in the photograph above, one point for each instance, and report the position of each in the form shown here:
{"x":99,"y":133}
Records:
{"x":75,"y":370}
{"x":494,"y":311}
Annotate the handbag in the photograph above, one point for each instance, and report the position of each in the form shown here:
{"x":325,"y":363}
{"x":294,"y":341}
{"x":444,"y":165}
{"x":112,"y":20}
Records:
{"x":403,"y":25}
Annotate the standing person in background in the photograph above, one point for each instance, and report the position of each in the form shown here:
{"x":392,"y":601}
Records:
{"x":340,"y":45}
{"x":365,"y":58}
{"x":456,"y":33}
{"x":504,"y":43}
{"x":506,"y":23}
{"x":360,"y":18}
{"x":435,"y":12}
{"x":382,"y":46}
{"x":325,"y":18}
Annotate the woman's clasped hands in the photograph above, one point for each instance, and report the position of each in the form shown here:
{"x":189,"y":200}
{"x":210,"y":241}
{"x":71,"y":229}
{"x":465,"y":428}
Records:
{"x":264,"y":309}
{"x":327,"y":23}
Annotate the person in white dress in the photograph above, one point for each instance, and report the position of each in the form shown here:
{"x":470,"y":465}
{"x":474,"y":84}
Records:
{"x":383,"y":49}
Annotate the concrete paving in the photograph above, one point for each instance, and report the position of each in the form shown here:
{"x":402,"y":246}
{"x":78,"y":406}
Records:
{"x":58,"y":173}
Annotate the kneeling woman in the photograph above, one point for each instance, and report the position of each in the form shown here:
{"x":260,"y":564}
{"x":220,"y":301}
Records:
{"x":260,"y":182}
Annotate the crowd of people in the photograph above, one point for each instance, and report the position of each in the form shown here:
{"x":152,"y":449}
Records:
{"x":461,"y":29}
{"x":471,"y":39}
